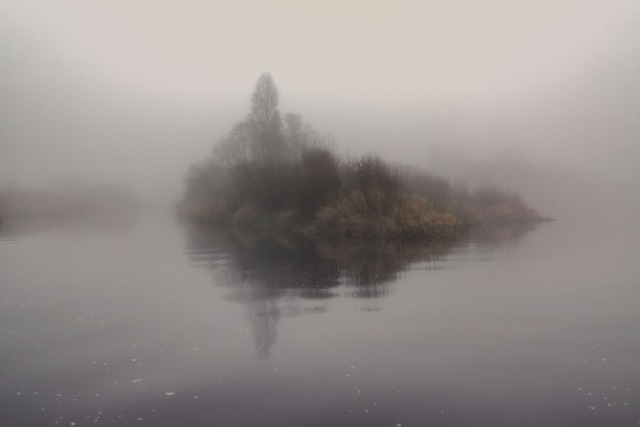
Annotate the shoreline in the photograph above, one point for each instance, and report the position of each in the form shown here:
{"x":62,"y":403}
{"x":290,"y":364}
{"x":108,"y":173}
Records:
{"x":285,"y":221}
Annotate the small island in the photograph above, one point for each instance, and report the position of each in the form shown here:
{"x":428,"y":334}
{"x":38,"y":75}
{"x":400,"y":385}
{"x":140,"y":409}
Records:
{"x":281,"y":174}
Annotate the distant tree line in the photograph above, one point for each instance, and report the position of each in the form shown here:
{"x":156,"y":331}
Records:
{"x":72,"y":199}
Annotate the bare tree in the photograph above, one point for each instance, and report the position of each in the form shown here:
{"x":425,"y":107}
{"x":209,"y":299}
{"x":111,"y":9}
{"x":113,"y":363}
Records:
{"x":265,"y":121}
{"x":301,"y":136}
{"x":264,"y":102}
{"x":235,"y":147}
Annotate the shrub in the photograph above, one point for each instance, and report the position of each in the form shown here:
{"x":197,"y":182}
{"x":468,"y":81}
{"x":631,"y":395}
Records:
{"x":371,"y":172}
{"x":435,"y":190}
{"x":318,"y":180}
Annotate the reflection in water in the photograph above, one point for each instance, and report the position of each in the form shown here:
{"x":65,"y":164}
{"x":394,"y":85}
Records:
{"x":264,"y":316}
{"x":95,"y":329}
{"x":264,"y":271}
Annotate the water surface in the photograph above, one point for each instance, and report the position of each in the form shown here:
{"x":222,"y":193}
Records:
{"x":146,"y":321}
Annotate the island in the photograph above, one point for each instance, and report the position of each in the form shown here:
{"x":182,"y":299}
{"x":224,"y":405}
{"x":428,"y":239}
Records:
{"x":280,"y":174}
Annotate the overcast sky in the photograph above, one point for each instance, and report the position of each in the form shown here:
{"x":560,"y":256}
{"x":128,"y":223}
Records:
{"x":135,"y":91}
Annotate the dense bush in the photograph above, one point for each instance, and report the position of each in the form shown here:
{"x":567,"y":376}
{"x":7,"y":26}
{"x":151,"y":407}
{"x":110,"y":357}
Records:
{"x":376,"y":182}
{"x":318,"y":180}
{"x":436,"y":190}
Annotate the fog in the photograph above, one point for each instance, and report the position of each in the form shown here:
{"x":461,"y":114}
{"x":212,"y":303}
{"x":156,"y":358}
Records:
{"x":329,"y":278}
{"x":522,"y":95}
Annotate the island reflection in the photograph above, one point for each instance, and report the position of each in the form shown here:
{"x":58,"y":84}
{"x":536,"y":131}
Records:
{"x":277,"y":275}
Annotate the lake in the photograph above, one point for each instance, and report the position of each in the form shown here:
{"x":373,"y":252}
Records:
{"x":147,"y":321}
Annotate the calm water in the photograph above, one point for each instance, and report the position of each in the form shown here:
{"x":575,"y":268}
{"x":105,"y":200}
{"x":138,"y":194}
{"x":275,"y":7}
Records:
{"x":148,"y":322}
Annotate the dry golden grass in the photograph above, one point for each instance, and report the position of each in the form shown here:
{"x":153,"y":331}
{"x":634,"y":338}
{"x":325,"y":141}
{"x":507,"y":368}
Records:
{"x":358,"y":215}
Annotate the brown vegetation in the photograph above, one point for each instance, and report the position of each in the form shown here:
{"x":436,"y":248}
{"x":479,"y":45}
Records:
{"x":282,"y":176}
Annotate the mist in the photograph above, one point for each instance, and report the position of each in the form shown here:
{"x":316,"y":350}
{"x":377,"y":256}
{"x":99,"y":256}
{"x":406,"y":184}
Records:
{"x":444,"y":233}
{"x":113,"y":92}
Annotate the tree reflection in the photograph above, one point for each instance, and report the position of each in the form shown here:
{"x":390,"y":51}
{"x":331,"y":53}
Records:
{"x":264,"y":316}
{"x":278,"y":275}
{"x":282,"y":276}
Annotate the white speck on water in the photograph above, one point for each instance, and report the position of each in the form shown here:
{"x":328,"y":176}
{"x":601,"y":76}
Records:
{"x":72,"y":423}
{"x":194,"y":349}
{"x":196,"y":397}
{"x":593,"y":408}
{"x":134,"y":360}
{"x":604,"y":360}
{"x":137,"y":380}
{"x":170,"y":393}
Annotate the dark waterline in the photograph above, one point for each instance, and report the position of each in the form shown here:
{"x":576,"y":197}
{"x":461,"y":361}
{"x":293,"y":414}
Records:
{"x":149,"y":322}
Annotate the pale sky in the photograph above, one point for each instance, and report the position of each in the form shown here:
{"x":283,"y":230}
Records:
{"x":135,"y":91}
